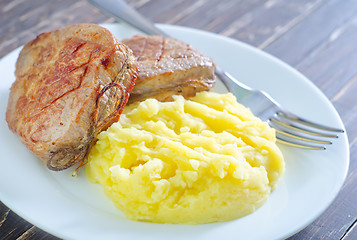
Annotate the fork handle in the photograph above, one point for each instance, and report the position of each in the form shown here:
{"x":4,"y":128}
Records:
{"x":121,"y":11}
{"x":232,"y":84}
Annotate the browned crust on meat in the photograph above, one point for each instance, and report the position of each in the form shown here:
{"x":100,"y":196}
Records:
{"x":70,"y":84}
{"x":169,"y":67}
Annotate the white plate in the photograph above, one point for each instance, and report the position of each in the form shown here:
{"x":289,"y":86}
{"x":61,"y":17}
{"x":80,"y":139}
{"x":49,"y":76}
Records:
{"x":72,"y":208}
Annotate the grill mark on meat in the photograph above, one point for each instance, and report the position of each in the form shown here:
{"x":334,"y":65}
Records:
{"x":68,"y":69}
{"x":76,"y":48}
{"x":139,"y":54}
{"x":60,"y":72}
{"x":39,"y":129}
{"x":81,"y":111}
{"x":81,"y":77}
{"x":161,"y":51}
{"x":149,"y":49}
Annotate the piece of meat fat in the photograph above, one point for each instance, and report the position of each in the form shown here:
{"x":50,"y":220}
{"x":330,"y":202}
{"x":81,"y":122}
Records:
{"x":169,"y":67}
{"x":71,"y":84}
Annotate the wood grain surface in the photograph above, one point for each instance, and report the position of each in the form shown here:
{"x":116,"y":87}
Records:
{"x":317,"y":37}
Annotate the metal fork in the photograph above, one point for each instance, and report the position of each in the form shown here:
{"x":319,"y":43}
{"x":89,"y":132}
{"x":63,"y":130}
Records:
{"x":290,"y":129}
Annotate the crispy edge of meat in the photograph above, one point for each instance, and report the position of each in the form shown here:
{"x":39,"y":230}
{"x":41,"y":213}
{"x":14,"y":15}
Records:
{"x":193,"y":71}
{"x":76,"y":151}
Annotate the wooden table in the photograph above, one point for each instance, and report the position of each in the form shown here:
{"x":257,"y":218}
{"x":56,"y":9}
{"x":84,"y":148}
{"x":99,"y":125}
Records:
{"x":317,"y":37}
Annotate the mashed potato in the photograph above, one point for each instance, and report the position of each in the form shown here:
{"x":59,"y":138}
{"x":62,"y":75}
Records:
{"x":202,"y":160}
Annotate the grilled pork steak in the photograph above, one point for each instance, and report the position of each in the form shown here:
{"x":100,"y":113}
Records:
{"x":70,"y":84}
{"x":169,"y":67}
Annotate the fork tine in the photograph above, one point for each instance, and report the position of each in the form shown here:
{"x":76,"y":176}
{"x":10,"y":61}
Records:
{"x":296,"y":136}
{"x":294,"y":127}
{"x":300,"y":120}
{"x":298,"y":144}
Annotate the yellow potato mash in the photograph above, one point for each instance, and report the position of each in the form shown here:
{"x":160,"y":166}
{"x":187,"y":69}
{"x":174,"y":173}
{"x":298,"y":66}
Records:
{"x":207,"y":159}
